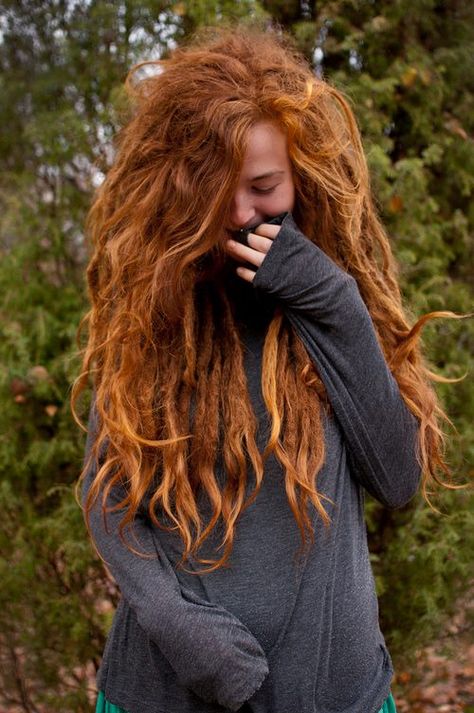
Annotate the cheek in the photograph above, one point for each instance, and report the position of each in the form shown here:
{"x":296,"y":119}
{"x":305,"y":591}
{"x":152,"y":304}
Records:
{"x":291,"y":196}
{"x":282,"y":200}
{"x":287,"y":197}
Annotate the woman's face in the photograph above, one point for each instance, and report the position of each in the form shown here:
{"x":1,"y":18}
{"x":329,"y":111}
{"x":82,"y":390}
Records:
{"x":265,"y":188}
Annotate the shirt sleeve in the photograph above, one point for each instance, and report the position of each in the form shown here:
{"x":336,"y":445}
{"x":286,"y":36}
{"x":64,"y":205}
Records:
{"x":210,"y":650}
{"x":323,"y":304}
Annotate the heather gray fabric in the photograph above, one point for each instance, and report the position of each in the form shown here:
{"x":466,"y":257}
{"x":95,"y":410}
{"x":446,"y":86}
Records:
{"x":286,"y":635}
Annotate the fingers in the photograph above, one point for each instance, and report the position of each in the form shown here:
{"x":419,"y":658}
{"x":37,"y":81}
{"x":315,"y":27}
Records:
{"x":259,"y":243}
{"x":245,"y":253}
{"x":267,"y":230}
{"x":246,"y":274}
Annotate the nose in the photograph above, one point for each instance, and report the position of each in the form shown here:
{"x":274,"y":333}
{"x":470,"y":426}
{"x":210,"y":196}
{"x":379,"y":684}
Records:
{"x":242,"y":212}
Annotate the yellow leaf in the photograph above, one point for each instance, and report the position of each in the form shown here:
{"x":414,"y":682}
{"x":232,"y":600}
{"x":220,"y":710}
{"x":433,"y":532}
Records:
{"x":179,"y":9}
{"x":379,"y":24}
{"x":409,"y":76}
{"x":426,"y":76}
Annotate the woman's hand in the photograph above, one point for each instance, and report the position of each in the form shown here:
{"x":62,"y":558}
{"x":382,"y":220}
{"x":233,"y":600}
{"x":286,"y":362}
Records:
{"x":259,"y":244}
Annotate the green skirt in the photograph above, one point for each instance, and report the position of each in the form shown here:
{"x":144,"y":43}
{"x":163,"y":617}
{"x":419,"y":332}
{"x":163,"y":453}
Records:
{"x":103,"y":706}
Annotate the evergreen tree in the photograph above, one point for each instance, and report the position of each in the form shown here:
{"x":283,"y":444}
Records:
{"x":61,"y":67}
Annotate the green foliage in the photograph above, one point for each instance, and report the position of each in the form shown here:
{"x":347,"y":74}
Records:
{"x":405,"y":67}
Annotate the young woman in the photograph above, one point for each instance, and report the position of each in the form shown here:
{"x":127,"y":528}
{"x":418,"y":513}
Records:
{"x":253,"y":374}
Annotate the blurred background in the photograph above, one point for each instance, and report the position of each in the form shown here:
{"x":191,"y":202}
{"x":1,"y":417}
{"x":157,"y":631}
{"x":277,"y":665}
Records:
{"x":406,"y":66}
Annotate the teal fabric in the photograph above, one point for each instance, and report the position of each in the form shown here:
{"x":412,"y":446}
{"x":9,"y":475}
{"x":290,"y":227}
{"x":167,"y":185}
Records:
{"x":103,"y":705}
{"x":389,"y":705}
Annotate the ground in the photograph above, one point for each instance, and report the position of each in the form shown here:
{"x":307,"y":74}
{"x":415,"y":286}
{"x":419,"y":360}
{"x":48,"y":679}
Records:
{"x":442,"y":680}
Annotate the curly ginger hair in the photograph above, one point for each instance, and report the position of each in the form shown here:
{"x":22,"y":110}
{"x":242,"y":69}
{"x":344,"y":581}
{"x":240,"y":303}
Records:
{"x":156,"y":339}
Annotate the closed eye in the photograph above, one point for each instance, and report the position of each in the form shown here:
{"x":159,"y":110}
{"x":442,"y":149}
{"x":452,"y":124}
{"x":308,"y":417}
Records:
{"x":263,"y":190}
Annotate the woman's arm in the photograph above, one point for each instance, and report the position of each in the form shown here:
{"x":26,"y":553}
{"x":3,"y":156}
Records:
{"x":324,"y":305}
{"x":211,"y":651}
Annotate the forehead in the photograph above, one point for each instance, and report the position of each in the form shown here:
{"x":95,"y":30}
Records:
{"x":266,"y":151}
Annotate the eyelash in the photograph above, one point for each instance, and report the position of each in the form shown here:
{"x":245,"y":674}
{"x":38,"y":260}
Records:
{"x":264,"y":190}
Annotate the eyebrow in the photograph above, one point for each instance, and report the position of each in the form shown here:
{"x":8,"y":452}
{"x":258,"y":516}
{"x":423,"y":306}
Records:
{"x":267,"y":175}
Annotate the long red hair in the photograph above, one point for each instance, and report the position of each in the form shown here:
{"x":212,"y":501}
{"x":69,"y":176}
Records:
{"x":157,"y":339}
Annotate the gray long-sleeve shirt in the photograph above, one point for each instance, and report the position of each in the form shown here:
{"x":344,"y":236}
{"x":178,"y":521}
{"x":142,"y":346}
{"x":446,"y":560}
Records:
{"x":269,"y":633}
